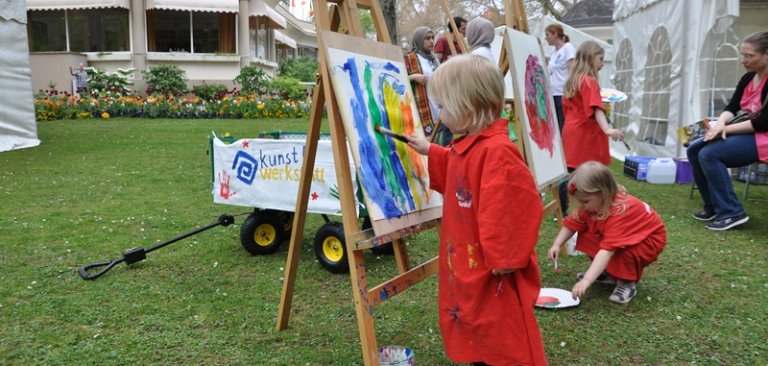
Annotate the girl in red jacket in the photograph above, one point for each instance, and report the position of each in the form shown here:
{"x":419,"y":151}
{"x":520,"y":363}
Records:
{"x":489,"y":276}
{"x":621,"y":234}
{"x":586,"y":129}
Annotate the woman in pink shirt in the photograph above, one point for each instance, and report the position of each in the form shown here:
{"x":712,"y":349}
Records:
{"x":732,"y":145}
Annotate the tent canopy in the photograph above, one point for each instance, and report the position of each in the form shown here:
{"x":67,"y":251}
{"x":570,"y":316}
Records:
{"x":18,"y":128}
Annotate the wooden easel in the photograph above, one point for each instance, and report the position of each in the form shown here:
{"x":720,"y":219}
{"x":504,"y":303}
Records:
{"x":455,"y":34}
{"x":345,"y":12}
{"x":515,"y":18}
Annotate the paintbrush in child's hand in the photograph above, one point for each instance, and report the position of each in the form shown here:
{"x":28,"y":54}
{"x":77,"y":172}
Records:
{"x":391,"y":133}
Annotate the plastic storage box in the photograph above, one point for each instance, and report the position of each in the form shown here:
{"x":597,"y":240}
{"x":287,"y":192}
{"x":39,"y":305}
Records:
{"x":684,"y":173}
{"x":636,"y":167}
{"x":662,"y":171}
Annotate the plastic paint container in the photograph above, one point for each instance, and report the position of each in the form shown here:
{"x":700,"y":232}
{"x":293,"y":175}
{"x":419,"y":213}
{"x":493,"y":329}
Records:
{"x":396,"y":356}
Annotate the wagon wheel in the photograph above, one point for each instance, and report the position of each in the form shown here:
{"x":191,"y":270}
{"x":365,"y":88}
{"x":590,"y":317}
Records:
{"x":262,"y":232}
{"x":330,"y":247}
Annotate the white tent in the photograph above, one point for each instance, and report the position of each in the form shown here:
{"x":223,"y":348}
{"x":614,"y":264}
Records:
{"x":18,"y":128}
{"x":677,"y":60}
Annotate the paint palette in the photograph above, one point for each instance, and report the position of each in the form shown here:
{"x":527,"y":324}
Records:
{"x":612,"y":95}
{"x":555,"y":298}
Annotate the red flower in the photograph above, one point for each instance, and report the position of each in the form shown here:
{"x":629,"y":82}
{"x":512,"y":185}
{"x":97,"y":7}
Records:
{"x":572,"y":188}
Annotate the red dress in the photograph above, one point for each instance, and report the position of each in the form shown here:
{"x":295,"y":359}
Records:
{"x":583,"y":139}
{"x":491,"y":217}
{"x":637,"y":236}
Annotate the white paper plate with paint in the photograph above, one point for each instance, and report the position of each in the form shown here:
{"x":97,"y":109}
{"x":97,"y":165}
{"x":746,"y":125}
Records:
{"x":555,"y":298}
{"x":612,"y":95}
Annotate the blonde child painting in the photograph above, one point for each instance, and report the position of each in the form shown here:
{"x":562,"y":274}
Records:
{"x":620,"y":233}
{"x":489,"y":275}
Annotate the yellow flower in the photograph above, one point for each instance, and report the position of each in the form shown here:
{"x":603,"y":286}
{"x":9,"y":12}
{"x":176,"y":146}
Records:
{"x":105,"y":115}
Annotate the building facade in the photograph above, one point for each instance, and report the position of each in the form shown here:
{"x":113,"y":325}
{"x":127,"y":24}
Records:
{"x":211,"y":40}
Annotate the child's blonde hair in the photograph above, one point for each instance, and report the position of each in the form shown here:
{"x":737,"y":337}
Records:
{"x":583,"y":65}
{"x":595,"y":178}
{"x":470,"y":89}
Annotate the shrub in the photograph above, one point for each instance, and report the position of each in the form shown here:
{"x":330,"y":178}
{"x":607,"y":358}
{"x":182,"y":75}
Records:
{"x":100,"y":81}
{"x":210,"y":92}
{"x":166,"y":80}
{"x":303,"y":69}
{"x":253,"y":79}
{"x":288,"y":88}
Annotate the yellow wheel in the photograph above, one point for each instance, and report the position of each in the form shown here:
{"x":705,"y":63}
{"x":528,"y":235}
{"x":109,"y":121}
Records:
{"x":264,"y":235}
{"x":262,"y":232}
{"x":333,"y":248}
{"x":330,"y":248}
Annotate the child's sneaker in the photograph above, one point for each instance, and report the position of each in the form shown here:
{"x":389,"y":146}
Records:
{"x":603,"y":278}
{"x":570,"y":246}
{"x":624,"y":292}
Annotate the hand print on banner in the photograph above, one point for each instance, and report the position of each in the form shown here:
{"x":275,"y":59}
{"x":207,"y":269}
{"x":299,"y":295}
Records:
{"x":246,"y":167}
{"x":225,"y":191}
{"x":536,"y":106}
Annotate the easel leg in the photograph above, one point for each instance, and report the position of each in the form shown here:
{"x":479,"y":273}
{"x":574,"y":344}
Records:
{"x":300,"y":216}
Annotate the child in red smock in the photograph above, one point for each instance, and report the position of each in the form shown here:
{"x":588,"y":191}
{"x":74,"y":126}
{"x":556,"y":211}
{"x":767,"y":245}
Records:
{"x":586,"y":129}
{"x":489,"y":275}
{"x":621,"y":234}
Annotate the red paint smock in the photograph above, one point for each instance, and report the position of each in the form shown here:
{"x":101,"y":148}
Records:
{"x":583,"y":139}
{"x":637,"y":237}
{"x":491,"y":216}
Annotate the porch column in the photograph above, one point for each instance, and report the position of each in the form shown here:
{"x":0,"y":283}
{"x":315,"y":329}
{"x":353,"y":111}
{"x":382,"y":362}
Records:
{"x":139,"y":37}
{"x":243,"y":44}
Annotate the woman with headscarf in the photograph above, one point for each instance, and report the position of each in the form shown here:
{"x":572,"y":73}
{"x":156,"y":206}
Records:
{"x":480,"y":35}
{"x":420,"y":63}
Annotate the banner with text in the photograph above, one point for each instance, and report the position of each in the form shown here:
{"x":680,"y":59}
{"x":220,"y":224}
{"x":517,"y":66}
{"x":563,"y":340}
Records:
{"x":265,"y":173}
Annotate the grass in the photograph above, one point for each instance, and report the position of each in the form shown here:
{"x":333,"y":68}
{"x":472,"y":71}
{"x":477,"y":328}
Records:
{"x":94,"y":188}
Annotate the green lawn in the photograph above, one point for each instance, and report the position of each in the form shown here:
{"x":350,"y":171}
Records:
{"x":94,"y":188}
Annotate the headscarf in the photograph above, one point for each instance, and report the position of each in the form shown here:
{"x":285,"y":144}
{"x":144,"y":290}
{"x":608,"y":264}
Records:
{"x":417,"y":46}
{"x":480,"y":33}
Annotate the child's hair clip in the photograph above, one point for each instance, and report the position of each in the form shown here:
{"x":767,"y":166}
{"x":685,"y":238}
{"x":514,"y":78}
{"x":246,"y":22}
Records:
{"x":572,"y":188}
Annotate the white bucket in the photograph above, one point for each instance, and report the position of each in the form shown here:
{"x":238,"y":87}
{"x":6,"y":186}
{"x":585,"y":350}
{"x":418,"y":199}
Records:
{"x":662,"y":171}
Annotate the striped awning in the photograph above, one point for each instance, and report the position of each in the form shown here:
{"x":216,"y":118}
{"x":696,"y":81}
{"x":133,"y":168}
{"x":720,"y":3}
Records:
{"x":273,"y":18}
{"x":280,"y":37}
{"x":215,"y":6}
{"x":76,"y":4}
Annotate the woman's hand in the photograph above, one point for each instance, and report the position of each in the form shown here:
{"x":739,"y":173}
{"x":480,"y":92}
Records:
{"x":418,"y":78}
{"x":421,"y":145}
{"x":715,"y":131}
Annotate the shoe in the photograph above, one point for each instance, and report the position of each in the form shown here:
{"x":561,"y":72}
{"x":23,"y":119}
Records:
{"x":624,"y":292}
{"x":570,"y":246}
{"x":704,"y":215}
{"x":603,"y":278}
{"x":729,"y":223}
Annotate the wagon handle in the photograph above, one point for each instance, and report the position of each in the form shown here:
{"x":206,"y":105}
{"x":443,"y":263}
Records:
{"x":138,"y":254}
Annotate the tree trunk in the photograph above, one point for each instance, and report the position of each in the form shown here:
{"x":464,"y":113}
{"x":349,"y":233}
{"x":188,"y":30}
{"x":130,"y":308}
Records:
{"x":389,"y":9}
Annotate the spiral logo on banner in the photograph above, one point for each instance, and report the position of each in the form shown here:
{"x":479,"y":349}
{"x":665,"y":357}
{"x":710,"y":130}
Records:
{"x":245,"y":166}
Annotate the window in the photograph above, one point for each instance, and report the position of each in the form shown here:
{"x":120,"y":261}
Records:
{"x":194,"y":32}
{"x":98,"y":30}
{"x":90,"y":30}
{"x":654,"y":121}
{"x":47,"y":31}
{"x":720,"y":70}
{"x":623,"y":81}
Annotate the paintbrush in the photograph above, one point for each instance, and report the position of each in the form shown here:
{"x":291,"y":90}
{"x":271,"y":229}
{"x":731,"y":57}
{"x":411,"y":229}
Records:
{"x":391,"y":133}
{"x":610,"y":123}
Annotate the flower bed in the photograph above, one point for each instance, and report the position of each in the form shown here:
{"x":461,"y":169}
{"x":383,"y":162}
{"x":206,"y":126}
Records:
{"x":55,"y":106}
